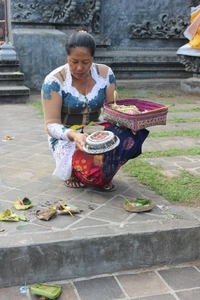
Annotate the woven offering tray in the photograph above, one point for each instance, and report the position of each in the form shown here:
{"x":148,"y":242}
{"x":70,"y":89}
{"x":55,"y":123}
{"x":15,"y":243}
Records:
{"x":46,"y":291}
{"x":138,"y":205}
{"x":100,"y":142}
{"x":135,"y":114}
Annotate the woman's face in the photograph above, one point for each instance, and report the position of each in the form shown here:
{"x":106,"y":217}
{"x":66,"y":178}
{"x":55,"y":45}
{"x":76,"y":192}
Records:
{"x":80,"y":61}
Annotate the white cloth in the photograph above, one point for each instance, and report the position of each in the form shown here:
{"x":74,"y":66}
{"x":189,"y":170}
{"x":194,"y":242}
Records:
{"x":188,"y":50}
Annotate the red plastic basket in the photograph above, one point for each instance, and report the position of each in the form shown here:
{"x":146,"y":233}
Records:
{"x":156,"y":115}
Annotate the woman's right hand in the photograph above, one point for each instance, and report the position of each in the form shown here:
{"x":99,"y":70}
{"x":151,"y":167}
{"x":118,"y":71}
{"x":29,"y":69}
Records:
{"x":78,"y":138}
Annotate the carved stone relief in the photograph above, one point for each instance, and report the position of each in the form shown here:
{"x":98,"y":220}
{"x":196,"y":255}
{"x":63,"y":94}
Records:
{"x":191,"y":63}
{"x":165,"y":28}
{"x":194,"y":3}
{"x":63,"y":12}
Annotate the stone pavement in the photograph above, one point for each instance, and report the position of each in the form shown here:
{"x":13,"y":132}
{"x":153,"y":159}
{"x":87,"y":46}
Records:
{"x":167,"y":283}
{"x":103,"y":238}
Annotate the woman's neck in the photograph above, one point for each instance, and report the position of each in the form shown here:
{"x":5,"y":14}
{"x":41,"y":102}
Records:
{"x":81,"y":85}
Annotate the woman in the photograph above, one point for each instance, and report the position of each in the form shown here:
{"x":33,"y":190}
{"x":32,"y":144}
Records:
{"x":72,"y":96}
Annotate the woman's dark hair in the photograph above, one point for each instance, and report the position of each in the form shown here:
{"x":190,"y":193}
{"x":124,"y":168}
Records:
{"x":81,"y":38}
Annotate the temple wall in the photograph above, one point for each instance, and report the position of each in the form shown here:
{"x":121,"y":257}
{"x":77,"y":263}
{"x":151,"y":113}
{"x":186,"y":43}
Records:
{"x":145,"y":24}
{"x":39,"y":30}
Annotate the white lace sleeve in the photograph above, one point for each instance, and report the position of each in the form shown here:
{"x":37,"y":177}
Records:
{"x":63,"y":156}
{"x":63,"y":150}
{"x":58,"y":131}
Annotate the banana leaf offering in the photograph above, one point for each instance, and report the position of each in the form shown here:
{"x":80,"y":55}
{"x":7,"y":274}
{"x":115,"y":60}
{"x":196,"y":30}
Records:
{"x":23,"y":204}
{"x":138,"y":204}
{"x":11,"y":216}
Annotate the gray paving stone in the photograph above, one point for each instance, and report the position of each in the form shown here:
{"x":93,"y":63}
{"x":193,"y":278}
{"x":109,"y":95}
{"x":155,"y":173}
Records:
{"x":179,"y":279}
{"x":142,"y":284}
{"x":105,"y":288}
{"x":189,"y":295}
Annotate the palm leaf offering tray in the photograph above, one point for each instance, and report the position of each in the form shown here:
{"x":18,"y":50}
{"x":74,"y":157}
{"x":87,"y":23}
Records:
{"x":11,"y":216}
{"x":66,"y":209}
{"x":61,"y":209}
{"x":135,"y":114}
{"x":138,"y":204}
{"x":46,"y":290}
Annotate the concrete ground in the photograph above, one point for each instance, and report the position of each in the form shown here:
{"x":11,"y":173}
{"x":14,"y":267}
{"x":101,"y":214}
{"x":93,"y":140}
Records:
{"x":104,"y":252}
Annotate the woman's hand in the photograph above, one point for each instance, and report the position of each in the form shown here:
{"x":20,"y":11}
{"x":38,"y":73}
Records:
{"x":78,"y":138}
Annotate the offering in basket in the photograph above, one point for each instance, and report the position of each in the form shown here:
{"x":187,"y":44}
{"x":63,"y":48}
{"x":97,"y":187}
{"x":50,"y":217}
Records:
{"x":135,"y":114}
{"x":127,"y":109}
{"x":138,"y":205}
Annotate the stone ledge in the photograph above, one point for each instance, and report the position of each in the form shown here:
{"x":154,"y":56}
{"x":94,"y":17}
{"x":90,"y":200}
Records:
{"x":9,"y":63}
{"x":14,"y":94}
{"x":149,"y":83}
{"x":144,"y":64}
{"x":191,"y":85}
{"x":137,"y":56}
{"x":14,"y":90}
{"x":11,"y":79}
{"x":89,"y":256}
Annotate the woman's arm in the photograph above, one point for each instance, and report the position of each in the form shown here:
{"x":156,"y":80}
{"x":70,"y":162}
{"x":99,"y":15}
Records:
{"x":52,"y":105}
{"x":110,"y":92}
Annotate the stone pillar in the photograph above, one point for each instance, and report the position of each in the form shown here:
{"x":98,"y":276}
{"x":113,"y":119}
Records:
{"x":7,"y":51}
{"x":189,"y":54}
{"x":191,"y":85}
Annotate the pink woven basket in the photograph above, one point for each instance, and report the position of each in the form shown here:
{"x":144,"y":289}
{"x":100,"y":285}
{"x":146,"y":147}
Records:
{"x":156,"y":115}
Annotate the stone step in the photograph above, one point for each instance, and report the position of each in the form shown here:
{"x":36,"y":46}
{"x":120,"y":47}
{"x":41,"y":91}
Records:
{"x":138,"y":55}
{"x":9,"y":66}
{"x":148,"y":64}
{"x":14,"y":94}
{"x":59,"y":257}
{"x":11,"y":78}
{"x":149,"y":83}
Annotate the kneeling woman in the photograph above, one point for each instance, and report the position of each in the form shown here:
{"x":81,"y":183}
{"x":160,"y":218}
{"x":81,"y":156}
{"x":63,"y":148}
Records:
{"x":73,"y":96}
